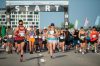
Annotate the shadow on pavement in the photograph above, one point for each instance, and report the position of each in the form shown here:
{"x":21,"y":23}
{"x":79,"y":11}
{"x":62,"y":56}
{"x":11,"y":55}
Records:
{"x":33,"y":58}
{"x":59,"y":56}
{"x":3,"y":58}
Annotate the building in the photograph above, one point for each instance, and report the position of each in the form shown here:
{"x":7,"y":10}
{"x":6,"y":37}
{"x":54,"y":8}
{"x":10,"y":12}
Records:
{"x":2,"y":12}
{"x":2,"y":17}
{"x":29,"y":18}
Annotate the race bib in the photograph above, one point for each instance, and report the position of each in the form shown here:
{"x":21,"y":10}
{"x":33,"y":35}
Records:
{"x":82,"y":37}
{"x":22,"y":34}
{"x":39,"y":36}
{"x":31,"y":37}
{"x":10,"y":36}
{"x":5,"y":39}
{"x":94,"y":36}
{"x":51,"y":32}
{"x":43,"y":38}
{"x":36,"y":37}
{"x":61,"y":37}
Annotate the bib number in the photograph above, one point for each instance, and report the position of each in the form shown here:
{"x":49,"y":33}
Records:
{"x":36,"y":37}
{"x":31,"y":36}
{"x":94,"y":36}
{"x":22,"y":34}
{"x":82,"y":37}
{"x":10,"y":36}
{"x":61,"y":37}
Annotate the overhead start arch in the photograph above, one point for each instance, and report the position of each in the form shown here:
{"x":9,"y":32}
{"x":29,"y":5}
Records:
{"x":17,"y":9}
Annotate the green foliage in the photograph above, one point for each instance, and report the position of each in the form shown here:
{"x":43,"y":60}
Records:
{"x":62,"y":24}
{"x":71,"y":25}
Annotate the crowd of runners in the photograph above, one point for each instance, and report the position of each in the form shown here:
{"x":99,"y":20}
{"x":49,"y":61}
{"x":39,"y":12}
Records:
{"x":49,"y":39}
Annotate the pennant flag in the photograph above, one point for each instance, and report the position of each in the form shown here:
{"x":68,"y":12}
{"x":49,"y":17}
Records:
{"x":97,"y":21}
{"x":76,"y":24}
{"x":86,"y":22}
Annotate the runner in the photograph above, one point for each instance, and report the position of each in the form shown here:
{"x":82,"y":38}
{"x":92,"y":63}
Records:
{"x":31,"y":39}
{"x":40,"y":40}
{"x":62,"y":40}
{"x":76,"y":40}
{"x":52,"y":40}
{"x":88,"y":39}
{"x":20,"y":33}
{"x":94,"y":38}
{"x":37,"y":46}
{"x":15,"y":43}
{"x":10,"y":41}
{"x":5,"y":43}
{"x":67,"y":39}
{"x":82,"y":36}
{"x":44,"y":36}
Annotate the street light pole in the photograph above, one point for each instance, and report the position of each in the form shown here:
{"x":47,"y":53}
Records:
{"x":8,"y":12}
{"x":66,"y":16}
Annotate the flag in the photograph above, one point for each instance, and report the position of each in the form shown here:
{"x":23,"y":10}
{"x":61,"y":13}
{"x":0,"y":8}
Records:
{"x":97,"y":21}
{"x":86,"y":22}
{"x":76,"y":24}
{"x":3,"y":31}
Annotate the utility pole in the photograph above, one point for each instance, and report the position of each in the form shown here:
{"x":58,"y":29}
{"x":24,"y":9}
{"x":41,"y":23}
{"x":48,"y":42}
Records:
{"x":8,"y":12}
{"x":66,"y":21}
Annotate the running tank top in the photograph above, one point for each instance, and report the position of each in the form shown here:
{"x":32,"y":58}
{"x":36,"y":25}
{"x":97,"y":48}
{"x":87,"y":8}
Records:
{"x":44,"y":36}
{"x":76,"y":33}
{"x":93,"y":35}
{"x":62,"y":36}
{"x":51,"y":33}
{"x":82,"y":36}
{"x":20,"y":32}
{"x":31,"y":34}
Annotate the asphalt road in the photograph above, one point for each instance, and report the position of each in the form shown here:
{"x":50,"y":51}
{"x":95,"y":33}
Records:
{"x":43,"y":59}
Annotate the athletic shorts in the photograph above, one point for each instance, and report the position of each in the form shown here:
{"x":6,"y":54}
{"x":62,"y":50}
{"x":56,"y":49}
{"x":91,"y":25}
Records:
{"x":61,"y":40}
{"x":40,"y":40}
{"x":5,"y":40}
{"x":31,"y":40}
{"x":93,"y":42}
{"x":36,"y":41}
{"x":10,"y":40}
{"x":76,"y":42}
{"x":82,"y":41}
{"x":20,"y":41}
{"x":67,"y":42}
{"x":52,"y":41}
{"x":44,"y":42}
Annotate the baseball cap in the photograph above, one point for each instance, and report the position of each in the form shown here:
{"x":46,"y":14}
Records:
{"x":52,"y":24}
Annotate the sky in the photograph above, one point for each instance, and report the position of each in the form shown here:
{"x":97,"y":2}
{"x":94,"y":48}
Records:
{"x":46,"y":18}
{"x":82,"y":9}
{"x":2,"y":3}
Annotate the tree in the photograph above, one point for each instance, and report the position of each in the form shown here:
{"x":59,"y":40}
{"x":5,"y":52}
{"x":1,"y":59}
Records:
{"x":62,"y":25}
{"x":71,"y":25}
